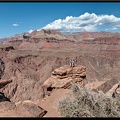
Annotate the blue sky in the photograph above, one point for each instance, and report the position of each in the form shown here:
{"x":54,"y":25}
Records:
{"x":19,"y":17}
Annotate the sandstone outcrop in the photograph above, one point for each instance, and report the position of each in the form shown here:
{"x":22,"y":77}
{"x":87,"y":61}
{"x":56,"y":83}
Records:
{"x":61,"y":77}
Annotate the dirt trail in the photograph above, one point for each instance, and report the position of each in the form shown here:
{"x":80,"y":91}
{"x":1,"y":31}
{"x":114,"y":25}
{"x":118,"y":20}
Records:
{"x":50,"y":102}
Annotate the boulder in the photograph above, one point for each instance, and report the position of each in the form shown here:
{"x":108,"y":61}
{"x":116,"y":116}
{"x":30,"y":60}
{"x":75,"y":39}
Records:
{"x":29,"y":109}
{"x":21,"y":109}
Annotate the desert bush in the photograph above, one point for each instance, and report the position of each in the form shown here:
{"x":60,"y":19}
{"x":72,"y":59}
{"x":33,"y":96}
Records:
{"x":87,"y":103}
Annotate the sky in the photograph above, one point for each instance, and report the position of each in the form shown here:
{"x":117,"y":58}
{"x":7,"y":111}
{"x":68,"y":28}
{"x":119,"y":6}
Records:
{"x":20,"y":17}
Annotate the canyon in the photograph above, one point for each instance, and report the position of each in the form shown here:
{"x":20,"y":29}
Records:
{"x":44,"y":56}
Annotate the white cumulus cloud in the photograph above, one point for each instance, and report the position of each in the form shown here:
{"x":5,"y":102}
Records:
{"x":87,"y":21}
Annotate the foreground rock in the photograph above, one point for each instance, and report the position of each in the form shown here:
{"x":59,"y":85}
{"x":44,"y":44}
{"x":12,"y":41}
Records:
{"x":62,"y":77}
{"x":29,"y":109}
{"x":21,"y":109}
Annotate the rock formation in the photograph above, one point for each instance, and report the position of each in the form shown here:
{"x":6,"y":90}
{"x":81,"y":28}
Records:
{"x":61,"y":77}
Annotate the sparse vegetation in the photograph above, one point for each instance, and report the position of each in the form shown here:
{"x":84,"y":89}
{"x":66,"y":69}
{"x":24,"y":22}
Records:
{"x":87,"y":103}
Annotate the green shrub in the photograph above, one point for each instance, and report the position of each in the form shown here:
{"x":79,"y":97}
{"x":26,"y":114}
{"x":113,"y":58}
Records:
{"x":87,"y":103}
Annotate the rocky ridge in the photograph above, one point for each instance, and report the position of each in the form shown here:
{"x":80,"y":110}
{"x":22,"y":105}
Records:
{"x":26,"y":108}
